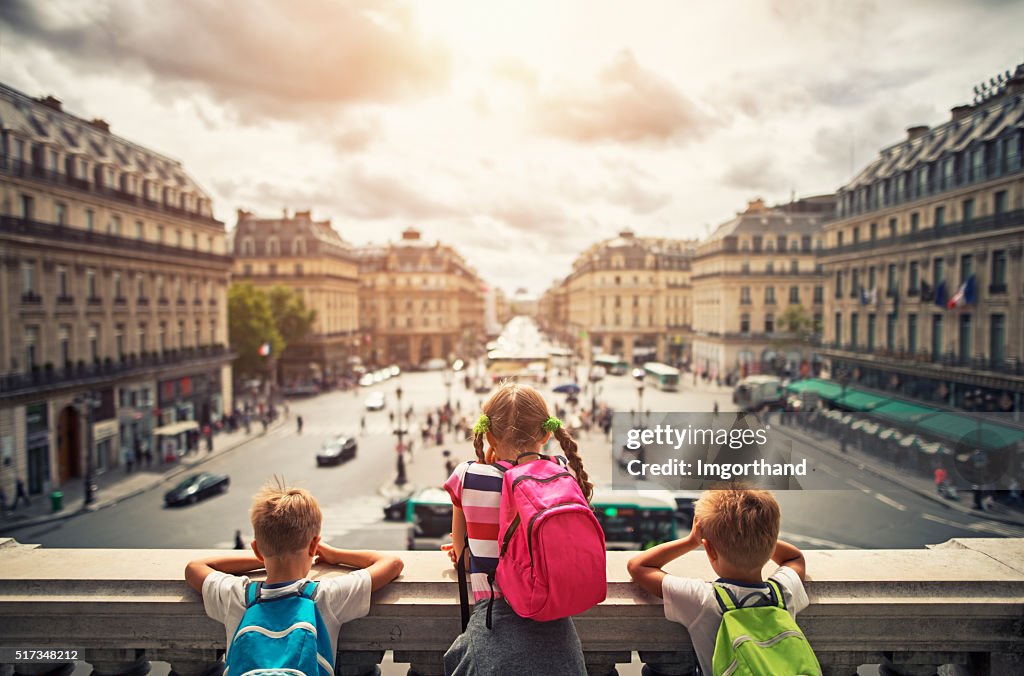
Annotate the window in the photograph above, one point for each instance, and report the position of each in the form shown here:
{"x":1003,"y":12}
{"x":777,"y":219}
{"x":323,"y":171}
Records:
{"x":873,"y":231}
{"x":273,"y":247}
{"x":181,"y":334}
{"x":140,"y":285}
{"x":940,"y":216}
{"x":161,"y":343}
{"x":27,"y":207}
{"x":28,"y":278}
{"x":745,"y":267}
{"x":998,"y":276}
{"x":912,"y":333}
{"x":819,"y":295}
{"x":872,"y":278}
{"x":247,"y":269}
{"x":139,"y":229}
{"x":142,"y":337}
{"x":854,"y":283}
{"x":856,"y":234}
{"x":782,"y":242}
{"x":64,"y":345}
{"x":915,"y":221}
{"x":94,"y":343}
{"x":966,"y":336}
{"x":871,"y":331}
{"x":90,"y":220}
{"x":1000,"y":202}
{"x":854,"y":327}
{"x":160,"y":234}
{"x":757,"y":243}
{"x":794,"y":295}
{"x":890,"y":331}
{"x":90,"y":283}
{"x":178,"y":241}
{"x":60,"y":213}
{"x":794,"y":267}
{"x":199,"y":334}
{"x":117,"y":285}
{"x":839,"y":283}
{"x":968,"y":208}
{"x":839,"y":238}
{"x":62,"y":281}
{"x":744,"y":295}
{"x":890,"y":281}
{"x":195,"y":242}
{"x":272,"y":269}
{"x":31,"y":347}
{"x":936,"y":336}
{"x":966,"y":267}
{"x":119,"y":341}
{"x":769,"y":295}
{"x":160,"y":287}
{"x":997,"y":339}
{"x":744,"y":323}
{"x":839,"y":328}
{"x":913,"y":278}
{"x":805,"y":243}
{"x":938,"y":271}
{"x":769,"y":267}
{"x":298,"y":246}
{"x":769,"y":323}
{"x":248,"y":247}
{"x":892,"y":227}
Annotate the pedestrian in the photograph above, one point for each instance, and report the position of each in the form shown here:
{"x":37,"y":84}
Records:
{"x":20,"y":495}
{"x":362,"y":423}
{"x":287,"y":412}
{"x":391,"y":416}
{"x":129,"y":460}
{"x":449,"y":464}
{"x":239,"y":542}
{"x":3,"y":499}
{"x":263,"y":422}
{"x":298,"y":421}
{"x":209,"y":441}
{"x":714,"y":407}
{"x":440,"y":436}
{"x":146,"y":453}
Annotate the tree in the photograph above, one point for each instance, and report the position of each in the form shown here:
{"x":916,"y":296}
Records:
{"x":294,"y":320}
{"x":796,"y":321}
{"x":250,"y":325}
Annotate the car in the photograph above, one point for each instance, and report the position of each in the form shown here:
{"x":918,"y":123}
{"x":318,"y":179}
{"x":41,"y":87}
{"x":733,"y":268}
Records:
{"x":366,"y":380}
{"x":638,"y":374}
{"x":434,"y":365}
{"x":336,"y":451}
{"x":375,"y":402}
{"x":195,"y":487}
{"x":458,"y":365}
{"x":395,"y":371}
{"x":597,"y":373}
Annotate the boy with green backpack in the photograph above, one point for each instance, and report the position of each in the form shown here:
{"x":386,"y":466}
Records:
{"x":740,"y":624}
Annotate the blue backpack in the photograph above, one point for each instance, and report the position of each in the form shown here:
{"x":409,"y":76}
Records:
{"x":281,"y":635}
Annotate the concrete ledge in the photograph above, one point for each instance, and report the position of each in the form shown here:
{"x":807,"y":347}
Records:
{"x":962,"y":601}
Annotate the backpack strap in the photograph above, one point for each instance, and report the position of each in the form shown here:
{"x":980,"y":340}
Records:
{"x":724,"y":597}
{"x":460,"y":565}
{"x":779,"y":599}
{"x":252,"y":593}
{"x":308,"y":590}
{"x":526,"y":453}
{"x":512,"y":526}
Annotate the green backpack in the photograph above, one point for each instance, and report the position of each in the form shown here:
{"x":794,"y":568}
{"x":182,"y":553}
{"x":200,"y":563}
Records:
{"x":761,"y":640}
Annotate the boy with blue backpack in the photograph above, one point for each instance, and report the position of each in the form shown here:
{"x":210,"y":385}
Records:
{"x":287,"y":622}
{"x":740,"y":624}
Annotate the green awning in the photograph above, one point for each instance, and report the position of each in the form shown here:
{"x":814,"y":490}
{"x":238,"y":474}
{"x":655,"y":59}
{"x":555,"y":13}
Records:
{"x":826,"y":389}
{"x":903,"y":412}
{"x":971,"y":430}
{"x":859,"y":400}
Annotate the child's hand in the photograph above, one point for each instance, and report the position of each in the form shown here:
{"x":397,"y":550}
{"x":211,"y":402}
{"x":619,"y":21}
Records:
{"x":449,"y":549}
{"x":695,"y":534}
{"x":326,"y":554}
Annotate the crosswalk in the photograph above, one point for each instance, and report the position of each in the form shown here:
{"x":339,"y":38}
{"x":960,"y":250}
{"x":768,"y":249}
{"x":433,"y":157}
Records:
{"x":992,"y":527}
{"x":343,"y":517}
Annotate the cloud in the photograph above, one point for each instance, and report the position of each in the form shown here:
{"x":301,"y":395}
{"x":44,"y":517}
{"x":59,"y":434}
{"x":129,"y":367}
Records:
{"x":757,"y":174}
{"x":265,"y":59}
{"x":627,"y":104}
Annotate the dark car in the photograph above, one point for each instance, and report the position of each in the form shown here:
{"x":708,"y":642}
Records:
{"x":196,"y":487}
{"x":336,"y":450}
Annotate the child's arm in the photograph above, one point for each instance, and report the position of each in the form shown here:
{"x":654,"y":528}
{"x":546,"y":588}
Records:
{"x":645,"y":567}
{"x":789,"y":555}
{"x":382,"y":568}
{"x":197,"y":571}
{"x":458,"y":534}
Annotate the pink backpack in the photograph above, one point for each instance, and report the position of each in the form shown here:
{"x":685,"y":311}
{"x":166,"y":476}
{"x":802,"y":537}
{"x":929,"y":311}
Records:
{"x":552,"y":562}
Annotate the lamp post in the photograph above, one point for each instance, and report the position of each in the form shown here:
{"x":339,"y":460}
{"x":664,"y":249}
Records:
{"x":448,"y":376}
{"x":87,"y":401}
{"x":640,"y":400}
{"x":844,"y":380}
{"x":400,"y":479}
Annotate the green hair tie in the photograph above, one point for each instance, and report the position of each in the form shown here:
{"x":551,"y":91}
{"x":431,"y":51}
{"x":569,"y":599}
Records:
{"x":483,"y":425}
{"x":551,"y":424}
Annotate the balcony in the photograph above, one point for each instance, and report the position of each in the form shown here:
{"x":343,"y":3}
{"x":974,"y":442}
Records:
{"x":32,"y":172}
{"x":935,"y":364}
{"x":66,"y":235}
{"x":94,"y":300}
{"x":46,"y":379}
{"x":65,"y":299}
{"x":142,"y":301}
{"x":909,"y":610}
{"x":31,"y":298}
{"x":983,"y":225}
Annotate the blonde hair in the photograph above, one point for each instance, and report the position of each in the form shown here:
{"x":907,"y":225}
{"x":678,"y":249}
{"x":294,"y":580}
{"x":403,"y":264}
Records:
{"x":516,"y":416}
{"x":742,"y":524}
{"x":285,"y":520}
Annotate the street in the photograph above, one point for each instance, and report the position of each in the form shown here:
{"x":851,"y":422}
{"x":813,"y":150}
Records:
{"x":872,"y":513}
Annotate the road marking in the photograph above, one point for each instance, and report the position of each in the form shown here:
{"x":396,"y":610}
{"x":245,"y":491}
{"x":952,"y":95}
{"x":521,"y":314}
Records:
{"x":859,"y":486}
{"x":978,"y":526}
{"x":828,"y":470}
{"x":815,"y":542}
{"x":889,"y":501}
{"x":352,"y":514}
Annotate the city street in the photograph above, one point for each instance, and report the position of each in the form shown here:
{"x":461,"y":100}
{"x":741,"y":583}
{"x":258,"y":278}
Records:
{"x":873,"y":513}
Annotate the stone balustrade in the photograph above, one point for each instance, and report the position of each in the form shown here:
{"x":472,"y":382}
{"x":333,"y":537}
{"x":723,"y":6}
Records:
{"x":959,"y":603}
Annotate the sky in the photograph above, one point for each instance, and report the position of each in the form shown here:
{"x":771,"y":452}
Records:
{"x":521,"y":133}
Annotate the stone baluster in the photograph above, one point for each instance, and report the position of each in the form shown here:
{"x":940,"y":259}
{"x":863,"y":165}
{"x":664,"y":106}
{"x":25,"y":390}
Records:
{"x":845,"y":663}
{"x":678,"y":663}
{"x":118,"y":662}
{"x":358,"y":662}
{"x":422,"y":662}
{"x":601,"y":663}
{"x":48,"y":669}
{"x":200,"y":662}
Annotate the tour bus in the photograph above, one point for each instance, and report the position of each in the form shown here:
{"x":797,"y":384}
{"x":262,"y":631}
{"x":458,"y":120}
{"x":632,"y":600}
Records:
{"x":755,"y":392}
{"x":517,"y":366}
{"x":662,"y":376}
{"x":613,"y":364}
{"x":630,"y":519}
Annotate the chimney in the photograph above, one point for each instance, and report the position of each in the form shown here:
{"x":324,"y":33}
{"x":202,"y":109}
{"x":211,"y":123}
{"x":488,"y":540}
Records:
{"x":410,"y":233}
{"x":626,"y":234}
{"x":755,"y":205}
{"x":51,"y":102}
{"x":304,"y":214}
{"x":916,"y":132}
{"x":284,"y":213}
{"x":243,"y":215}
{"x":100,"y":124}
{"x":960,"y":112}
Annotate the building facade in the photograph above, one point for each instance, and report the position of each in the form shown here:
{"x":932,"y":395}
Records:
{"x":626,"y":296}
{"x":311,"y":258}
{"x":419,"y":301}
{"x":938,"y":213}
{"x":112,"y":299}
{"x":758,"y":292}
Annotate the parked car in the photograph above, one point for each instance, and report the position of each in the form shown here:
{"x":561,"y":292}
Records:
{"x":434,"y":365}
{"x":375,"y":402}
{"x":196,"y":487}
{"x":336,"y":451}
{"x":395,"y":371}
{"x":366,"y":379}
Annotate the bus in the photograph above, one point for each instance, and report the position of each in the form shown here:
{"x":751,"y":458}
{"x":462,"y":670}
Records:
{"x":754,"y":392}
{"x":613,"y":364}
{"x":630,"y":519}
{"x":662,"y":376}
{"x":502,"y":365}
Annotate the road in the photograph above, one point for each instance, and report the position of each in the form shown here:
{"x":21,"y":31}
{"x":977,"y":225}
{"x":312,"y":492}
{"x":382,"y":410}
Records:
{"x":870,"y":513}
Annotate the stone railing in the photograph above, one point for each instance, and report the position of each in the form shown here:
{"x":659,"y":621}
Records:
{"x":960,"y":603}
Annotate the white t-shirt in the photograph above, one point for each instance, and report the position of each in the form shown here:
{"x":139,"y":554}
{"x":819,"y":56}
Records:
{"x":339,"y":598}
{"x":693,"y":604}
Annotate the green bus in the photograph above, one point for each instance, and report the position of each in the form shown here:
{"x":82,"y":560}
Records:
{"x":613,"y":364}
{"x":630,"y":519}
{"x":662,"y":376}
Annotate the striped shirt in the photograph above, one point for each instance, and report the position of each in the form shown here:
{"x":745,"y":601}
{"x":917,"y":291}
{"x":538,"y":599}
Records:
{"x":475,"y":488}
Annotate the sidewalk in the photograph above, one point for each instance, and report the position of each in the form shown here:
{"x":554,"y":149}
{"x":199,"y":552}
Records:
{"x":116,"y":485}
{"x":921,"y":485}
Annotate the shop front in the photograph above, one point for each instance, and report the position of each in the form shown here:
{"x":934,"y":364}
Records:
{"x":37,"y":447}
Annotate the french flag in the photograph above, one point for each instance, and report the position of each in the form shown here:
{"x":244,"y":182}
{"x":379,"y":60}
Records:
{"x":265,"y":350}
{"x":965,"y":295}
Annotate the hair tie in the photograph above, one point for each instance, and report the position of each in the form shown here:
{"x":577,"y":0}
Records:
{"x":551,"y":424}
{"x":482,"y":426}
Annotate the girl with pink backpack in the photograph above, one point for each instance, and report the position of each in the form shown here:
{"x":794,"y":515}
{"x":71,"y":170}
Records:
{"x":523,"y":528}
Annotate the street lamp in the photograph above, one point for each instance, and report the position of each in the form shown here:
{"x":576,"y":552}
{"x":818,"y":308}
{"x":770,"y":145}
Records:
{"x":448,"y":376}
{"x":86,"y":402}
{"x":640,"y":400}
{"x":400,"y":480}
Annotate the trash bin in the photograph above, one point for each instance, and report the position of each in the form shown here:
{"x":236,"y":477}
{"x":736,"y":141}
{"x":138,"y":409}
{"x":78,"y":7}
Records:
{"x":57,"y":501}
